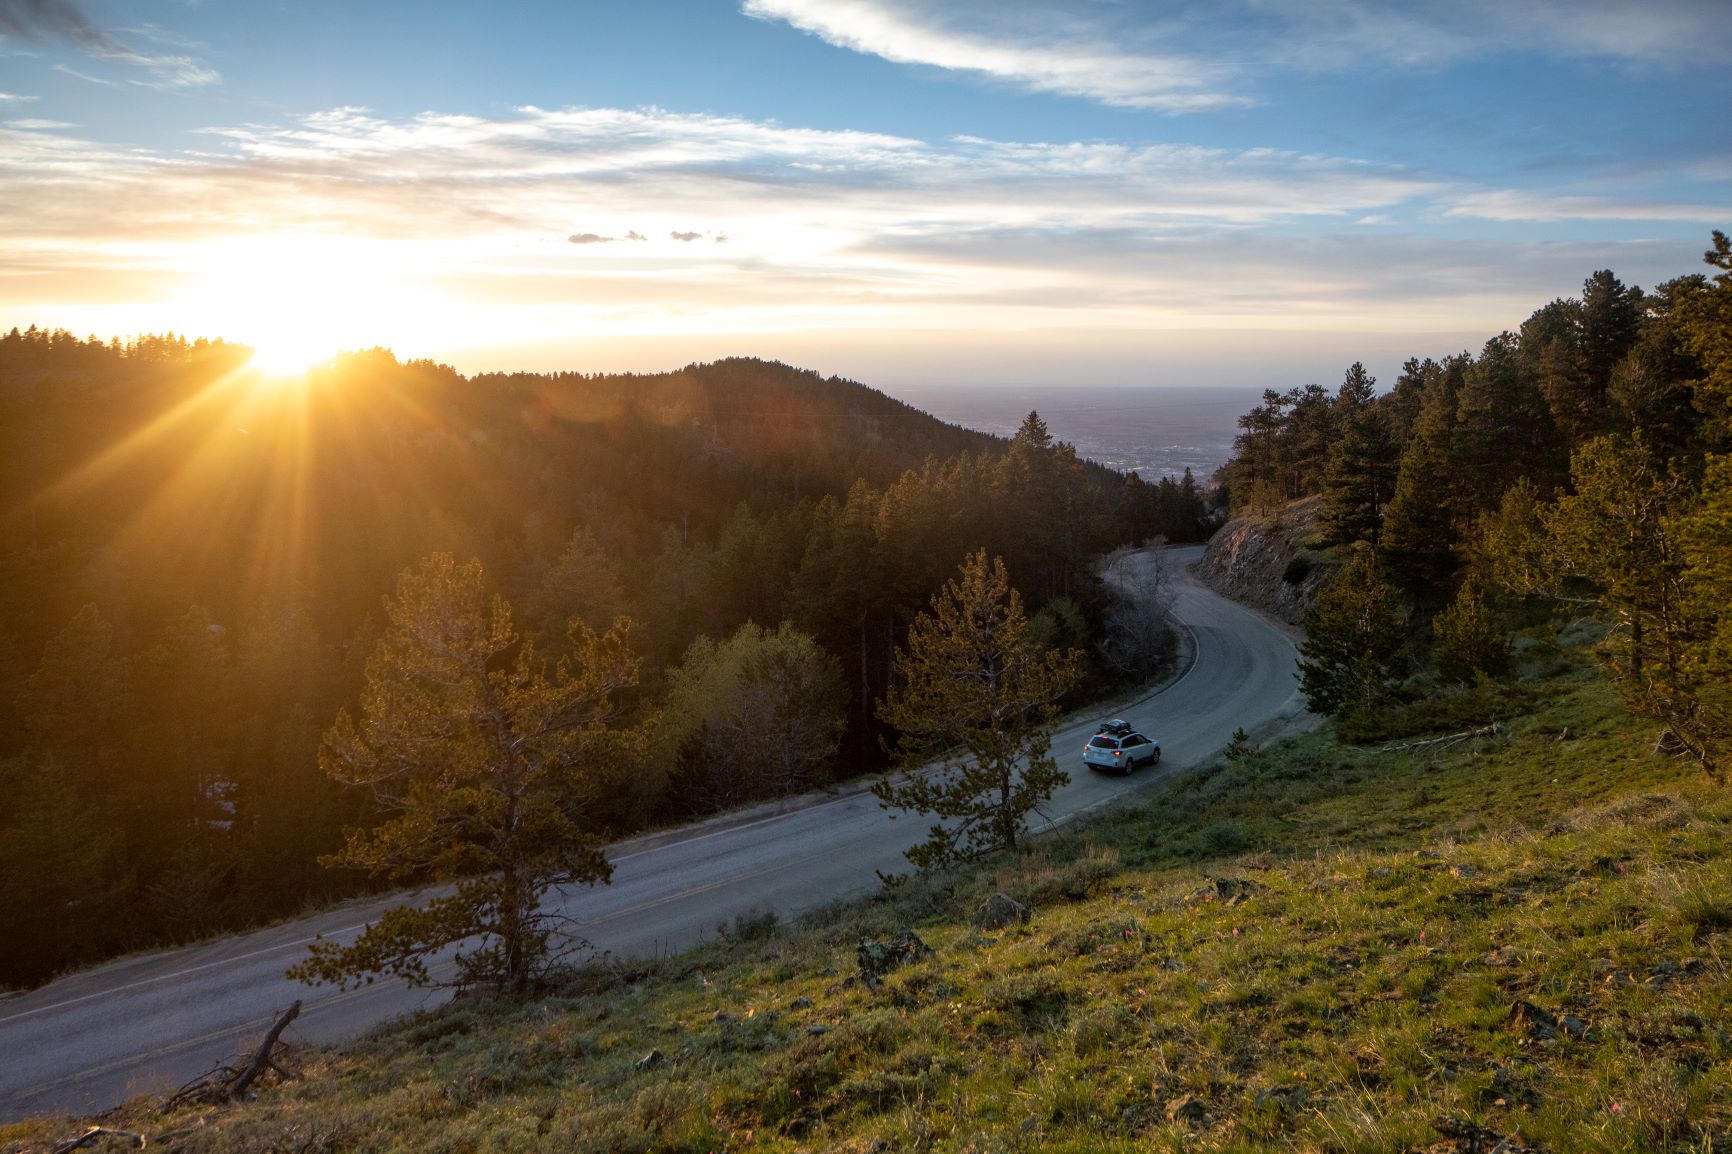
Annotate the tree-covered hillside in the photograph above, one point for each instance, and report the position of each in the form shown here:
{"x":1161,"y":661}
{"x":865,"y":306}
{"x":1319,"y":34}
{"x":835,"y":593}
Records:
{"x":193,"y":561}
{"x":1581,"y":463}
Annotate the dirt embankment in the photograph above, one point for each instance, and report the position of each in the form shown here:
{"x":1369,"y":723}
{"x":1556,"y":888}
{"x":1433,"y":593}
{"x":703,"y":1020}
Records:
{"x":1272,"y":560}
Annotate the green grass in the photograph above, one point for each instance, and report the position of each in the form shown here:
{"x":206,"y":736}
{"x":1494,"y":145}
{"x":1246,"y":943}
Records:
{"x":1315,"y":949}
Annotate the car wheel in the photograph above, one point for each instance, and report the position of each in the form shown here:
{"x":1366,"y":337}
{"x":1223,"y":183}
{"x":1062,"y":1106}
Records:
{"x":1155,"y":760}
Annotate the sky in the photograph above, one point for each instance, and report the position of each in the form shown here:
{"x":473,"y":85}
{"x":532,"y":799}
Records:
{"x":1103,"y":192}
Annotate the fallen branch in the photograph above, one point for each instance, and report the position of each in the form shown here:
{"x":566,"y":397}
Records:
{"x":1491,"y":730}
{"x":95,"y":1132}
{"x":262,"y":1058}
{"x":227,"y":1082}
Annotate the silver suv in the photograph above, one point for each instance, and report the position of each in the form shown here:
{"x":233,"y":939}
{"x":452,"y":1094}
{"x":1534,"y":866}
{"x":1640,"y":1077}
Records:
{"x":1119,"y":747}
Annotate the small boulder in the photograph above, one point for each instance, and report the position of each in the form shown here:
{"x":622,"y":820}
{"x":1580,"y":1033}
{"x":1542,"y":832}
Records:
{"x":1287,"y":1099}
{"x":1001,"y":910}
{"x":1187,"y":1108}
{"x":877,"y":958}
{"x":650,"y":1060}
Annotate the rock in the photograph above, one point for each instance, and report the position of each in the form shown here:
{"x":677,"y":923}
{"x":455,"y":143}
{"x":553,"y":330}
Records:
{"x":1230,"y":891}
{"x":722,"y":1016}
{"x":800,"y":1004}
{"x":878,"y":958}
{"x":1472,"y":1139}
{"x":650,"y":1060}
{"x":817,"y":1030}
{"x":1533,"y":1021}
{"x":1289,"y":1099}
{"x":1543,"y":1025}
{"x":1001,"y":910}
{"x":1507,"y":956}
{"x":1263,"y":560}
{"x":1187,"y":1108}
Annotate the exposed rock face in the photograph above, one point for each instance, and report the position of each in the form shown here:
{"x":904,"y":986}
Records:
{"x":1269,"y":560}
{"x":999,"y":911}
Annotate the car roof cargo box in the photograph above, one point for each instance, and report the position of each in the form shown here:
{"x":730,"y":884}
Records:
{"x":1116,"y":726}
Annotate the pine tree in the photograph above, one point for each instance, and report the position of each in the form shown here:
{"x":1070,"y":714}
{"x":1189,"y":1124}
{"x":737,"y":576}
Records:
{"x":1362,"y":463}
{"x":974,"y":691}
{"x":1355,"y":634}
{"x":1419,"y":535}
{"x":479,"y":755}
{"x":1468,"y":644}
{"x":1504,"y":431}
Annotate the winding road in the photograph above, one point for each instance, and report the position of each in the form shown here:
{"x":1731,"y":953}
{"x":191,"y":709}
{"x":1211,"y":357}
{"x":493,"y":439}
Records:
{"x":150,"y":1022}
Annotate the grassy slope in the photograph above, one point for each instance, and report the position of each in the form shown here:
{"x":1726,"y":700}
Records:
{"x":1346,"y":984}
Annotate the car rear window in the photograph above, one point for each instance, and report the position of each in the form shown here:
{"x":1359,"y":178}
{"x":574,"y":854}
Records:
{"x":1104,"y":742}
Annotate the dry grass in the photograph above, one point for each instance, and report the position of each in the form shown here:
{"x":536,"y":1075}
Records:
{"x":1318,"y":949}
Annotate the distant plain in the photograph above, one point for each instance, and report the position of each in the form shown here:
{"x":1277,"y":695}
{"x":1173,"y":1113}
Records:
{"x":1157,"y":431}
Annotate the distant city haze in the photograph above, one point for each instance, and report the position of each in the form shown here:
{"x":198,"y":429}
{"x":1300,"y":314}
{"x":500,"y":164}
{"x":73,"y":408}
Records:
{"x":1155,"y":431}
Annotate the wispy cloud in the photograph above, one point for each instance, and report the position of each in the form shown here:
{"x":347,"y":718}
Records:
{"x":807,"y":230}
{"x":1542,"y":207}
{"x":14,"y":98}
{"x":1198,"y":55}
{"x":64,"y":21}
{"x":1069,"y":61}
{"x":1337,"y":34}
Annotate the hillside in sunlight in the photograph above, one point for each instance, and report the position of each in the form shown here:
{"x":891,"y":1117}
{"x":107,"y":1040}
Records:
{"x":1514,"y":943}
{"x":193,"y":558}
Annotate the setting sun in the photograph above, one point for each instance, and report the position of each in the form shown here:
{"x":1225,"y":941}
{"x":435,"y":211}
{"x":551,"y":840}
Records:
{"x":299,"y":300}
{"x":288,"y":356}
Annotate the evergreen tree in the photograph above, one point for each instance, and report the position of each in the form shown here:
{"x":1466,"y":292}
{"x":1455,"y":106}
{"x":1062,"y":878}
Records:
{"x":1362,"y":463}
{"x":974,"y":691}
{"x":1422,"y":528}
{"x":1419,"y":534}
{"x":1504,"y":431}
{"x":478,"y":754}
{"x":1355,"y":634}
{"x":1468,"y":643}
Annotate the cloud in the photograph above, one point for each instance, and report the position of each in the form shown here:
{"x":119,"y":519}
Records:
{"x":1332,"y":35}
{"x":1200,"y":55}
{"x":14,"y":98}
{"x":65,"y":21}
{"x":56,"y":20}
{"x":1069,"y":61}
{"x":39,"y":125}
{"x":824,"y":231}
{"x":68,"y":70}
{"x":1544,"y":207}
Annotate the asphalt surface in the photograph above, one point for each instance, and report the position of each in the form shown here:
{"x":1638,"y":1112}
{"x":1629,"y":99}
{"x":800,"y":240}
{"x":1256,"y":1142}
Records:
{"x":150,"y":1022}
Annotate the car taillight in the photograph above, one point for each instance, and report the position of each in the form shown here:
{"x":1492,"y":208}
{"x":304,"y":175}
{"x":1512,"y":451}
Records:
{"x":1116,"y":752}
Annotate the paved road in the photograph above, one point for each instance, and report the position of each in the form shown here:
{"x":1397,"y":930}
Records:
{"x":150,"y":1022}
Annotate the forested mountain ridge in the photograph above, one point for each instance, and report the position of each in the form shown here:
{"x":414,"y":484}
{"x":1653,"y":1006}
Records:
{"x":194,"y":559}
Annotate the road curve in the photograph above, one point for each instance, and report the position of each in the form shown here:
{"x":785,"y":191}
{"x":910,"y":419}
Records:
{"x":149,"y":1022}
